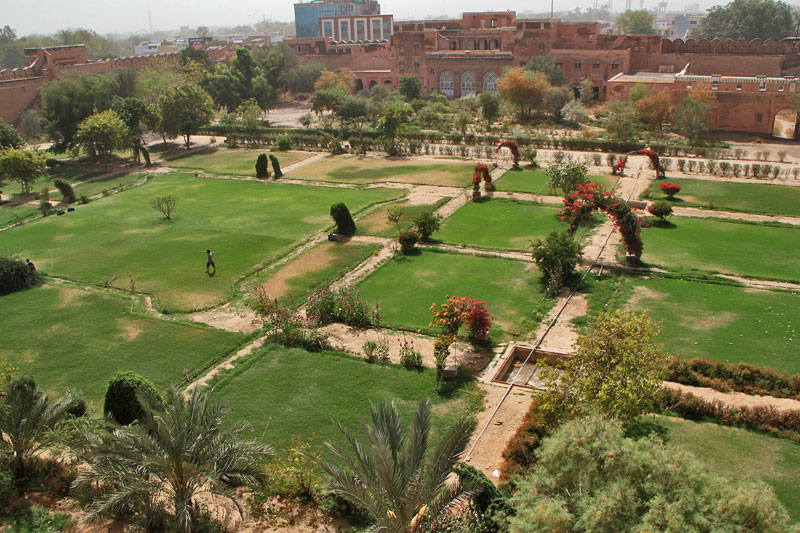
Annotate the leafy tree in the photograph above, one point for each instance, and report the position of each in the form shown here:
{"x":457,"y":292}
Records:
{"x":462,"y":120}
{"x":184,"y":110}
{"x":66,"y":190}
{"x":522,"y":88}
{"x":545,"y":65}
{"x":621,"y":121}
{"x":586,"y":91}
{"x":102,"y":133}
{"x":660,"y":209}
{"x":692,"y":119}
{"x":190,"y":54}
{"x":748,"y":19}
{"x":391,"y":475}
{"x":490,"y":105}
{"x":135,"y":114}
{"x":393,"y":119}
{"x":574,"y":112}
{"x":327,"y":99}
{"x":27,"y":418}
{"x":342,"y":79}
{"x":30,"y":125}
{"x":156,"y":78}
{"x":66,"y":102}
{"x":637,"y":92}
{"x":354,"y":112}
{"x":250,"y":114}
{"x":555,"y":98}
{"x":23,"y":166}
{"x":426,"y":224}
{"x":636,"y":22}
{"x":590,"y":477}
{"x":180,"y":449}
{"x":654,"y":108}
{"x":9,"y":138}
{"x":303,"y":78}
{"x":616,"y":371}
{"x":566,"y":176}
{"x":556,"y":256}
{"x":410,"y":87}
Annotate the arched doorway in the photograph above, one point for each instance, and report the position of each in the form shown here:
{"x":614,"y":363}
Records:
{"x":468,"y":85}
{"x":490,"y":81}
{"x":446,"y":85}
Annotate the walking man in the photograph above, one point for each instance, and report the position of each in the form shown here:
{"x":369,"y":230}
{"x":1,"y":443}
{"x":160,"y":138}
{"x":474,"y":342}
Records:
{"x":31,"y":265}
{"x":210,"y":262}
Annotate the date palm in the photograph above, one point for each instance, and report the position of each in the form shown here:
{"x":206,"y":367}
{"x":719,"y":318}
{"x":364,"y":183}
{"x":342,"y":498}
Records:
{"x":179,"y":451}
{"x":27,"y":417}
{"x":391,"y":475}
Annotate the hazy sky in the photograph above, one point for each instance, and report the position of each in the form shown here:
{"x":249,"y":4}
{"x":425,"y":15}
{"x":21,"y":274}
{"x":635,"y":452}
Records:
{"x":46,"y":16}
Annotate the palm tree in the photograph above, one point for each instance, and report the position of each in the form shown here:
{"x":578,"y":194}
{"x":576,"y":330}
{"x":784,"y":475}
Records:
{"x":391,"y":476}
{"x":27,"y":418}
{"x":177,"y":452}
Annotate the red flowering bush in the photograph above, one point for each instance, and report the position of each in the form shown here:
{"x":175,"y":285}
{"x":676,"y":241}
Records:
{"x":660,"y":209}
{"x":460,"y":310}
{"x":514,"y":147}
{"x":408,"y":241}
{"x":590,"y":196}
{"x":670,"y":189}
{"x":325,"y":306}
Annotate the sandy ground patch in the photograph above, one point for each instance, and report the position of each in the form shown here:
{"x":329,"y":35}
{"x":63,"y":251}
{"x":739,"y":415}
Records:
{"x":229,"y":319}
{"x":640,"y":292}
{"x":129,"y":330}
{"x":562,"y":336}
{"x":736,"y":399}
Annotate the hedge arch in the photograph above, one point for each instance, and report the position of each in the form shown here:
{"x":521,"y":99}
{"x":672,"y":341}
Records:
{"x":619,"y":168}
{"x":514,"y":147}
{"x":592,"y":196}
{"x":481,"y":172}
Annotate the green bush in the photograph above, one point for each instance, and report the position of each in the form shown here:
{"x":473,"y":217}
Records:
{"x":410,"y":358}
{"x":376,"y":351}
{"x":660,"y":209}
{"x":121,"y":401}
{"x":16,"y":275}
{"x":344,"y":221}
{"x":284,"y":143}
{"x":343,"y":305}
{"x":76,"y":403}
{"x":262,"y":167}
{"x":426,"y":225}
{"x":408,"y":241}
{"x":66,"y":190}
{"x":276,"y":166}
{"x":741,"y":377}
{"x":556,"y":256}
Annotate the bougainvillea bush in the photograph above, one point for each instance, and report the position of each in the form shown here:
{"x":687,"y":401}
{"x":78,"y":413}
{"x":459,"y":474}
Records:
{"x":460,"y":310}
{"x":670,"y":189}
{"x":660,"y":209}
{"x":326,"y":305}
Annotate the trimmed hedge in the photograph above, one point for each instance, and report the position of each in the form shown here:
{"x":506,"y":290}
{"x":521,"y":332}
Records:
{"x":66,"y":190}
{"x":121,"y":402}
{"x":520,"y":452}
{"x":726,"y":377}
{"x":16,"y":275}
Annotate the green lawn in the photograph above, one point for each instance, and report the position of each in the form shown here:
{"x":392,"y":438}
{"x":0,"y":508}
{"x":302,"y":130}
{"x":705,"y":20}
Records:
{"x":535,"y":181}
{"x":734,"y":196}
{"x":502,"y":224}
{"x":741,"y":454}
{"x":313,"y":268}
{"x":728,"y":247}
{"x":363,"y":170}
{"x":71,"y":338}
{"x":377,"y":223}
{"x":244,"y":222}
{"x":290,"y":392}
{"x":406,"y":286}
{"x":10,"y":215}
{"x":721,"y":322}
{"x":117,"y":181}
{"x":237,"y":162}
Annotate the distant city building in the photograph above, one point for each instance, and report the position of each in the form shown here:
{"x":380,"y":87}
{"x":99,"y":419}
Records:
{"x":342,"y":20}
{"x":146,"y":48}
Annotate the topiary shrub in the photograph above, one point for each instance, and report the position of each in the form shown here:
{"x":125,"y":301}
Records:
{"x":344,"y":221}
{"x":426,"y":224}
{"x":670,"y":189}
{"x":276,"y":166}
{"x":556,"y":256}
{"x":408,"y":241}
{"x":17,"y":275}
{"x":121,"y":403}
{"x":262,"y":167}
{"x":66,"y":190}
{"x":660,"y":209}
{"x":284,"y":143}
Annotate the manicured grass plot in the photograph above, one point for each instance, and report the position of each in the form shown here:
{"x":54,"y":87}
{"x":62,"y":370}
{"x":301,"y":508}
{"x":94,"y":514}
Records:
{"x":755,"y":250}
{"x":734,"y":196}
{"x":243,"y":223}
{"x":90,"y":188}
{"x":535,"y":181}
{"x":741,"y":454}
{"x":406,"y":286}
{"x":313,"y":268}
{"x":355,"y":169}
{"x":721,"y":322}
{"x":377,"y":222}
{"x":290,"y":392}
{"x":12,"y":215}
{"x":503,"y":224}
{"x":73,"y":338}
{"x":237,"y":162}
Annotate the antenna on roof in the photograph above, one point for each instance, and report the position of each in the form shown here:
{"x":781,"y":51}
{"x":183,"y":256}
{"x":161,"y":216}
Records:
{"x":150,"y":20}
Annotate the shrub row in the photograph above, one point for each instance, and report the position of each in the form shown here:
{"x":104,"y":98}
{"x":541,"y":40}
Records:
{"x":520,"y":452}
{"x":780,"y":422}
{"x":726,"y":377}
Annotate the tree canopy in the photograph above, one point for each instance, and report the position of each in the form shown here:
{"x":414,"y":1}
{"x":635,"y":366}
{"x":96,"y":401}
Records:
{"x":523,"y":88}
{"x":639,"y":21}
{"x":22,"y":166}
{"x":9,"y":138}
{"x":102,"y":133}
{"x":748,"y":19}
{"x":546,"y":65}
{"x":184,"y":110}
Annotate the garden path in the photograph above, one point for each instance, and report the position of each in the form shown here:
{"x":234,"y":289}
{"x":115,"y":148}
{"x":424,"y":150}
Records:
{"x":731,"y":215}
{"x":736,"y":399}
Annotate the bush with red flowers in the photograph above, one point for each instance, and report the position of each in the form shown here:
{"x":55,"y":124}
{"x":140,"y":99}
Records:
{"x":660,"y":209}
{"x":670,"y":189}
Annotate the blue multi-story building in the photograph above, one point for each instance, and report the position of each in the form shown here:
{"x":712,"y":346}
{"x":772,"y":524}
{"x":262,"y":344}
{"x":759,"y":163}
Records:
{"x":341,"y":20}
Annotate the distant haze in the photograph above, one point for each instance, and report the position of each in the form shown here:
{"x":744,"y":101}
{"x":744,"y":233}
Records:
{"x":114,"y":16}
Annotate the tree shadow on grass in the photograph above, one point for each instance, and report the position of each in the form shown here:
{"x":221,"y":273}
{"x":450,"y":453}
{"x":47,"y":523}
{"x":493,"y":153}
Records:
{"x":663,"y":224}
{"x":448,"y":389}
{"x":643,"y":427}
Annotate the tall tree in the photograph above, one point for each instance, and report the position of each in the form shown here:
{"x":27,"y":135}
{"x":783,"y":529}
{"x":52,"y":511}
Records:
{"x":341,"y":79}
{"x":184,"y":110}
{"x":633,"y":22}
{"x":693,"y":114}
{"x":748,"y":19}
{"x":616,"y":371}
{"x":490,"y":105}
{"x":9,"y":138}
{"x":102,"y":133}
{"x":590,"y":477}
{"x":621,"y":121}
{"x":654,"y":108}
{"x":180,"y":449}
{"x":545,"y":65}
{"x":522,"y":88}
{"x":23,"y":166}
{"x":391,"y":475}
{"x":410,"y":87}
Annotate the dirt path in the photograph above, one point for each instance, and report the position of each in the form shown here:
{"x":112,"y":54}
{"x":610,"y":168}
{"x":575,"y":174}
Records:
{"x":562,"y":336}
{"x":731,"y":215}
{"x":736,"y":399}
